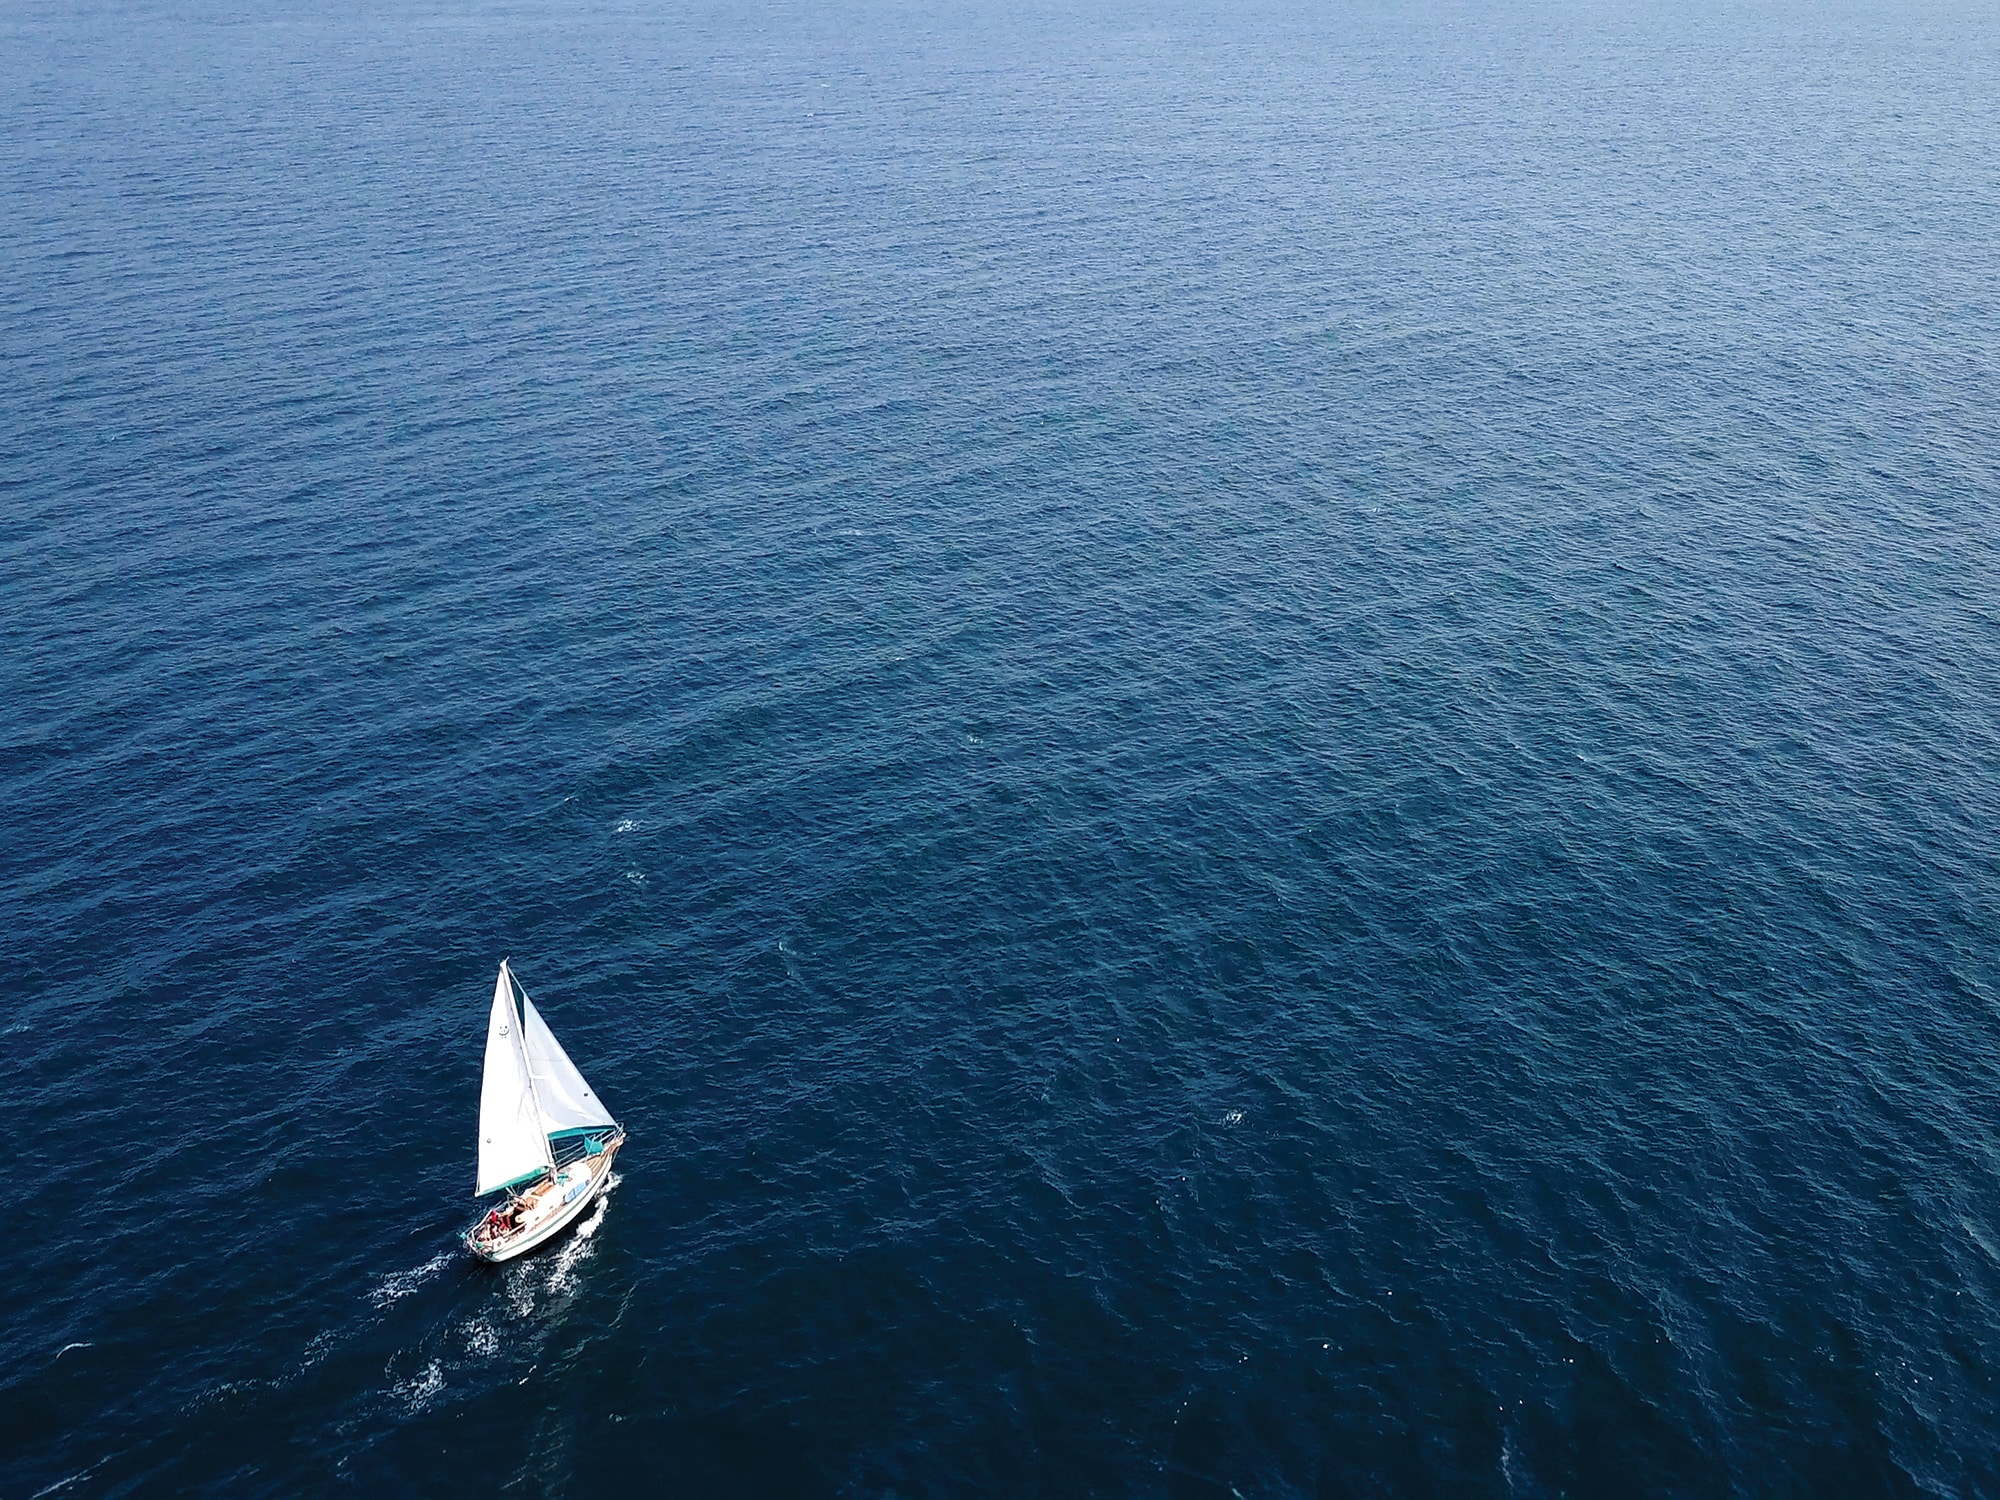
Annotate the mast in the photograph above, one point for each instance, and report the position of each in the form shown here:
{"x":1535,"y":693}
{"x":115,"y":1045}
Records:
{"x":514,"y":990}
{"x":513,"y":1130}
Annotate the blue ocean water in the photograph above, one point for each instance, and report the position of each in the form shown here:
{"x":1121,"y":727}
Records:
{"x":1257,"y":741}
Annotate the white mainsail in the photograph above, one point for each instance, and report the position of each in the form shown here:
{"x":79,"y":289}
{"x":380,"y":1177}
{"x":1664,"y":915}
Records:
{"x":513,"y":1141}
{"x":565,"y":1100}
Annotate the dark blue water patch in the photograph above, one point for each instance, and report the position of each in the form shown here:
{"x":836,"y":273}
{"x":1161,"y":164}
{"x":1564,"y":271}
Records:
{"x":1258,"y":747}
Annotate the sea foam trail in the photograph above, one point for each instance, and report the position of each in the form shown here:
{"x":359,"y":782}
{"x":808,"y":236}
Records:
{"x":400,"y":1284}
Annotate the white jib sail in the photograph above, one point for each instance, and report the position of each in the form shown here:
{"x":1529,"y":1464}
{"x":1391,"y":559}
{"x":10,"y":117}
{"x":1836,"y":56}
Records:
{"x":512,"y":1140}
{"x":566,"y":1100}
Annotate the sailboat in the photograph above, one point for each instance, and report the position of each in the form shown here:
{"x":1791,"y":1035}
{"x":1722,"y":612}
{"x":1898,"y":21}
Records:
{"x":544,"y":1138}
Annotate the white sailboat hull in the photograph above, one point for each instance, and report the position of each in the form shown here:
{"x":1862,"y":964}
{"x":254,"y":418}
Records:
{"x":554,"y":1204}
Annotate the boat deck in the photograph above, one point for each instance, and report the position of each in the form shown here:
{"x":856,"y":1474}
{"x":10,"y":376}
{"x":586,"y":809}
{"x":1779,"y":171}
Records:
{"x":535,"y":1215}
